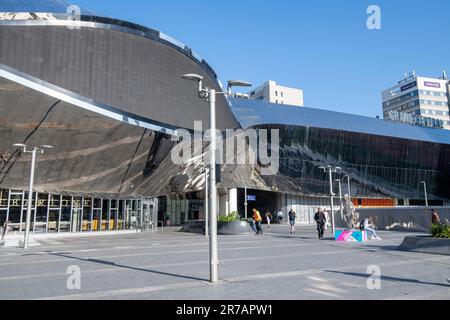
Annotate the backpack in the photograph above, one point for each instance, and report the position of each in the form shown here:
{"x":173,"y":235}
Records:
{"x":361,"y":226}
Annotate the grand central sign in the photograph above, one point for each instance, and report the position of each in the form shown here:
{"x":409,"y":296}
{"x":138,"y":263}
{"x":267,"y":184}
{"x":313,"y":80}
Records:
{"x":415,"y":120}
{"x":45,"y":203}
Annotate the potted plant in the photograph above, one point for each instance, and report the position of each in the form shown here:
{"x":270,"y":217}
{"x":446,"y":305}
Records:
{"x":441,"y":231}
{"x":232,"y":224}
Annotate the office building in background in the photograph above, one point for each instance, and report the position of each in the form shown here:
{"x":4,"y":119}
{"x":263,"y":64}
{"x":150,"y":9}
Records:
{"x":274,"y":93}
{"x":419,"y":101}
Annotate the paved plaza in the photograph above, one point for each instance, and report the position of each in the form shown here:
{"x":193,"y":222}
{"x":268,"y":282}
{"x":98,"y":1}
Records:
{"x":173,"y":265}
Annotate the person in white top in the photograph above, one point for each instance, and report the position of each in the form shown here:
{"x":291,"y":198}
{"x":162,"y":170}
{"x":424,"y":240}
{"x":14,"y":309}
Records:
{"x":280,"y":216}
{"x":366,"y":225}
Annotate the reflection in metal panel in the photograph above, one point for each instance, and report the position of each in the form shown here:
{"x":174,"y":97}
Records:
{"x":139,"y":75}
{"x":251,"y":113}
{"x":82,"y":102}
{"x":50,"y":6}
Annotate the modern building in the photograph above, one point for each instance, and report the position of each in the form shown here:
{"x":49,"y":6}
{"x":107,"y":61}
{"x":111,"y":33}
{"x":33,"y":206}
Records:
{"x":419,"y":100}
{"x":272,"y":92}
{"x":108,"y":95}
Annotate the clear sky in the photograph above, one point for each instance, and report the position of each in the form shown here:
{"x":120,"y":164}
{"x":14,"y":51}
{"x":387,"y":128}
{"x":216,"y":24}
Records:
{"x":321,"y":46}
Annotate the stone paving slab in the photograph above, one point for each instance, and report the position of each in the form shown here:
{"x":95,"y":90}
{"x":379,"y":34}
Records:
{"x":173,"y":265}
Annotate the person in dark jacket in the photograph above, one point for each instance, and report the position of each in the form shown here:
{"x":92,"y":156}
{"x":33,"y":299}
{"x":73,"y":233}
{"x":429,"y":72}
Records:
{"x":321,"y":220}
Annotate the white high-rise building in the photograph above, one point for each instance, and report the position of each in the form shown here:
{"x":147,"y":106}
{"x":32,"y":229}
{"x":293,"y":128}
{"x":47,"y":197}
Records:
{"x":419,"y":100}
{"x":274,"y":93}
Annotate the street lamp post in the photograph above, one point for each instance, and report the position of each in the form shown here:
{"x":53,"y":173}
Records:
{"x":33,"y":152}
{"x":340,"y":197}
{"x":206,"y":203}
{"x":246,"y":203}
{"x":331,"y":170}
{"x":425,"y":191}
{"x":207,"y":93}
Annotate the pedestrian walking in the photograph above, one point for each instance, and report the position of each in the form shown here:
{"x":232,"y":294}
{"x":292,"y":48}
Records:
{"x":321,"y":221}
{"x":251,"y":222}
{"x":292,"y":219}
{"x":268,"y":218}
{"x":258,"y":220}
{"x":280,"y":216}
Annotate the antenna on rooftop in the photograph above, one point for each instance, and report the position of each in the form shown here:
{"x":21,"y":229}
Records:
{"x":444,"y":75}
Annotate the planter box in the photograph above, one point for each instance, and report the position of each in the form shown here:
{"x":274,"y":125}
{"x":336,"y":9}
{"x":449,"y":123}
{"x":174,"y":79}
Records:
{"x":426,"y":245}
{"x":351,"y":236}
{"x":223,"y":228}
{"x":234,"y":228}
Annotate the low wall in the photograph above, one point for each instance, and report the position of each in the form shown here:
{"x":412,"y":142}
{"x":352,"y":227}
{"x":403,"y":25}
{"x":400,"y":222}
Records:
{"x":426,"y":245}
{"x":416,"y":219}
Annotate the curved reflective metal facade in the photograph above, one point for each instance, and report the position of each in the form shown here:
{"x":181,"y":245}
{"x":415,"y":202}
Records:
{"x":379,"y":167}
{"x":376,"y":154}
{"x":47,"y":6}
{"x":131,"y":68}
{"x":106,"y":93}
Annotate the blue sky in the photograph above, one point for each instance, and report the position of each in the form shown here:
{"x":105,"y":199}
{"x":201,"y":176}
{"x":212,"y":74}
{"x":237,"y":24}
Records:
{"x":321,"y":46}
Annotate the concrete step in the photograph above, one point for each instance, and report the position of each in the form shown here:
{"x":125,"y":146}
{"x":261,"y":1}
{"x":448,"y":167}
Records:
{"x":17,"y":242}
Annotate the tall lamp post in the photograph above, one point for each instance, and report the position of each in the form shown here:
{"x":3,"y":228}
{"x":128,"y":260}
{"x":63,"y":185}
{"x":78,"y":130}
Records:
{"x":331,"y":170}
{"x":206,"y":203}
{"x":208,"y":93}
{"x":340,"y":197}
{"x":33,"y":152}
{"x":425,"y":191}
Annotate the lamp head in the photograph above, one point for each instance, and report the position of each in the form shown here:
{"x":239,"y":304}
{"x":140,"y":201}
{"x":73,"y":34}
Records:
{"x":192,"y":76}
{"x":237,"y":83}
{"x":46,"y":146}
{"x":199,"y":79}
{"x":19,"y":145}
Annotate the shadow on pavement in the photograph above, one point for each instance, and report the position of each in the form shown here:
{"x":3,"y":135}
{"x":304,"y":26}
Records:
{"x":392,"y":279}
{"x":109,"y":263}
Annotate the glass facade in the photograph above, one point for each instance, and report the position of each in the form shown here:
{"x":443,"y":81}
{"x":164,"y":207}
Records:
{"x":60,"y":213}
{"x":178,"y":211}
{"x":379,"y":166}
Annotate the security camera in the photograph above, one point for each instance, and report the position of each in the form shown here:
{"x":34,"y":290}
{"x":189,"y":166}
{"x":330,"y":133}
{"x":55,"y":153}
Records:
{"x":203,"y":94}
